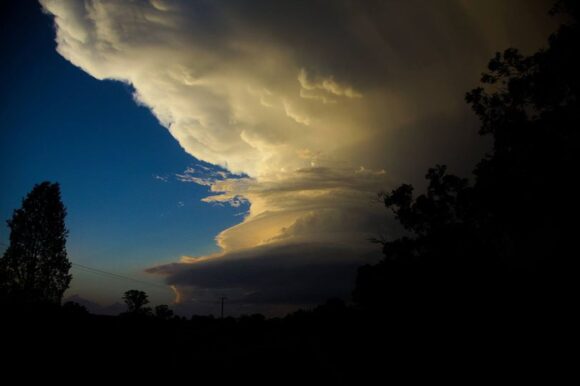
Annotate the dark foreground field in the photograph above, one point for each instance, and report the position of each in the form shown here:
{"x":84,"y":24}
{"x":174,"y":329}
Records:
{"x":331,"y":345}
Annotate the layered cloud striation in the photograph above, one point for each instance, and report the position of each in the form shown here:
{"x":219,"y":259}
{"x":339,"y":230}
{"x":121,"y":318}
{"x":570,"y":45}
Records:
{"x":315,"y":106}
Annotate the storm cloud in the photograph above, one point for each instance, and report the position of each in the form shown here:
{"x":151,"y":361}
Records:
{"x":315,"y":105}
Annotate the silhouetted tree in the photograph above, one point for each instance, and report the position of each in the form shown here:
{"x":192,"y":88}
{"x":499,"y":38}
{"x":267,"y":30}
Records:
{"x":35,"y":267}
{"x":511,"y":231}
{"x":163,"y":311}
{"x":136,"y":300}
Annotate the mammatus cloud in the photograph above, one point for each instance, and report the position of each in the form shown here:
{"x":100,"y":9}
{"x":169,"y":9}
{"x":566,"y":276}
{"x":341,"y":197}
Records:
{"x":318,"y":105}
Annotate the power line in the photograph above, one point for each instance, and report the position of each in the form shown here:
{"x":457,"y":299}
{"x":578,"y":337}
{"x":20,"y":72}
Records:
{"x":96,"y":271}
{"x":88,"y":269}
{"x":120,"y":277}
{"x":99,"y":274}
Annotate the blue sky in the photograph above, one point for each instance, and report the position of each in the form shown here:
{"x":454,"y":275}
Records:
{"x":60,"y":124}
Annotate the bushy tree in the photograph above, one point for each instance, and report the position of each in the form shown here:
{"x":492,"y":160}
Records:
{"x":163,"y":311}
{"x":136,"y":300}
{"x":35,"y":267}
{"x":510,"y":233}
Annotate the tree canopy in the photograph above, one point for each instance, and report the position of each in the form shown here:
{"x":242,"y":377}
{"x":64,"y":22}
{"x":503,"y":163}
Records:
{"x":35,"y":267}
{"x":136,"y":300}
{"x":163,"y":311}
{"x":511,"y":230}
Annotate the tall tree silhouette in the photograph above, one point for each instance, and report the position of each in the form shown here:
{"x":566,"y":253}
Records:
{"x":511,"y":232}
{"x":35,"y":266}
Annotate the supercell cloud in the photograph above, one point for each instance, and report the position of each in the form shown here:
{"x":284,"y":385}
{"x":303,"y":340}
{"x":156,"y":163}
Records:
{"x":317,"y":104}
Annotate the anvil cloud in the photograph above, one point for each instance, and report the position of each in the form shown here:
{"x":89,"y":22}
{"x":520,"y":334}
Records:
{"x":317,"y":105}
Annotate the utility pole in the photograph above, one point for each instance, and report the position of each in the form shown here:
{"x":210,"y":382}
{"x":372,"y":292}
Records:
{"x":222,"y":299}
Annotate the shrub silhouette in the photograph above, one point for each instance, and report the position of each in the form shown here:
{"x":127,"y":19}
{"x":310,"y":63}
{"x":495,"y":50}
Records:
{"x":163,"y":311}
